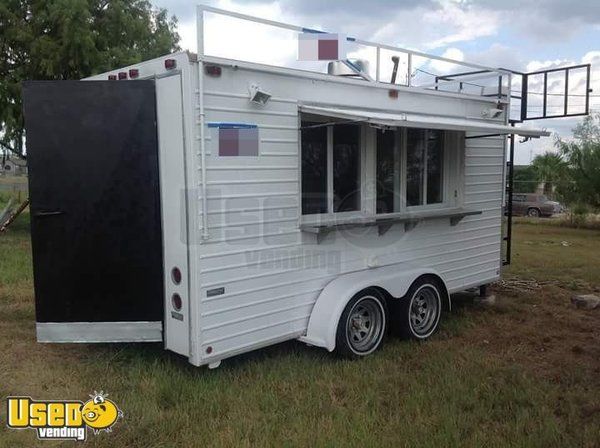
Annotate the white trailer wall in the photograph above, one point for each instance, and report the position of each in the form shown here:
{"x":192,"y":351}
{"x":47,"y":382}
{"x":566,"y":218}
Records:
{"x":272,"y":272}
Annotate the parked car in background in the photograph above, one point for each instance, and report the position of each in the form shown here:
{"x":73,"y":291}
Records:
{"x":534,"y":205}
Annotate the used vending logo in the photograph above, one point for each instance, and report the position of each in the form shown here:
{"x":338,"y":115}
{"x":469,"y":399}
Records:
{"x":63,"y":419}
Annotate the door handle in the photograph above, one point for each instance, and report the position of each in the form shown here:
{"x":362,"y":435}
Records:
{"x":49,"y":213}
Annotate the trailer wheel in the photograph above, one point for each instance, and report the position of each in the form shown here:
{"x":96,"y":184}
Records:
{"x":362,"y":325}
{"x":420,"y":310}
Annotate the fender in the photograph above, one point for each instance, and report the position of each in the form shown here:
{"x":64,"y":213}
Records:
{"x":325,"y":315}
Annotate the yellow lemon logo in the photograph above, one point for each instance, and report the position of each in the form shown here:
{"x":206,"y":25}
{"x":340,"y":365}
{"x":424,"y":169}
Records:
{"x":100,"y":413}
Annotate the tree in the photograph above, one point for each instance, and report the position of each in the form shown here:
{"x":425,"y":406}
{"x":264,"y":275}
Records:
{"x":582,"y":157}
{"x":72,"y":39}
{"x":589,"y":129}
{"x":550,"y":169}
{"x":525,"y":179}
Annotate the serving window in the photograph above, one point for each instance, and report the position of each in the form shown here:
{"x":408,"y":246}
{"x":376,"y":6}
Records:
{"x":314,"y":168}
{"x":359,"y":170}
{"x":425,"y":166}
{"x":331,"y":168}
{"x":346,"y":168}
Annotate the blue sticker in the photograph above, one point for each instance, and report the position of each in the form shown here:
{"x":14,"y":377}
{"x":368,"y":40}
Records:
{"x":223,"y":125}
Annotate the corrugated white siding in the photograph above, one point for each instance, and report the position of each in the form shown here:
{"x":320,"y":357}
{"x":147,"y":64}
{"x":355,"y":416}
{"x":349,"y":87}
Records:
{"x":483,"y":190}
{"x":272,"y":273}
{"x":253,"y":227}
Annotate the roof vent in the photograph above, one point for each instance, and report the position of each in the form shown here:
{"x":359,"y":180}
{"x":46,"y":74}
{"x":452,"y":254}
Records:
{"x":356,"y":68}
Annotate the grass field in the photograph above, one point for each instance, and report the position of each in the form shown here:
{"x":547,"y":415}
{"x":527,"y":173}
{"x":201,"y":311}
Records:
{"x":13,"y":179}
{"x":14,"y":186}
{"x":523,"y":372}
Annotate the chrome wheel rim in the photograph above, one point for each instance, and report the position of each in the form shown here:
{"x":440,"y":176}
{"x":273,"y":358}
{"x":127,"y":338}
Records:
{"x":424,"y":310}
{"x":365,"y":325}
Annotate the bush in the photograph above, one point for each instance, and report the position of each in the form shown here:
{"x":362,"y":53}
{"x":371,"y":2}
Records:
{"x":579,"y":215}
{"x":4,"y":198}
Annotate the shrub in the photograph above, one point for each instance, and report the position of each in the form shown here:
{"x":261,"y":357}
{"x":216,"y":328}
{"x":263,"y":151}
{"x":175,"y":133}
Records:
{"x":579,"y":215}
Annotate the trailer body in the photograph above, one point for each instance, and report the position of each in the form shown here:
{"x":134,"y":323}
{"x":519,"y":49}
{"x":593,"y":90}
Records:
{"x":169,"y":207}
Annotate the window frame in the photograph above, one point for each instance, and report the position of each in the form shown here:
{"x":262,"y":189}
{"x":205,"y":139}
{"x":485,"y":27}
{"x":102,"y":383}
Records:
{"x":446,"y":168}
{"x":399,"y":201}
{"x":362,"y":145}
{"x":312,"y":119}
{"x":452,"y":173}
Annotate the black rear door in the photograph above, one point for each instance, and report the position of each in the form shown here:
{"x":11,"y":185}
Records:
{"x":95,"y":207}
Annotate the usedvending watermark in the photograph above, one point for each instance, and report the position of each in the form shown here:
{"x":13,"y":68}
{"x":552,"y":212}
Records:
{"x":63,"y":419}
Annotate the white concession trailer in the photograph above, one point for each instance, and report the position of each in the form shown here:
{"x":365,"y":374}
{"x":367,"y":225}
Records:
{"x":221,"y":206}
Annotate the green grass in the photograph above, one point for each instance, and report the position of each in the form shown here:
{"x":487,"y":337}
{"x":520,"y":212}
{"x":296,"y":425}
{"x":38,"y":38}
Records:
{"x":13,"y":179}
{"x":497,"y":376}
{"x":590,"y":221}
{"x":560,"y":254}
{"x":12,"y":186}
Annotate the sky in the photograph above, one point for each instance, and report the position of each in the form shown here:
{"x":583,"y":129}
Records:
{"x":523,"y":35}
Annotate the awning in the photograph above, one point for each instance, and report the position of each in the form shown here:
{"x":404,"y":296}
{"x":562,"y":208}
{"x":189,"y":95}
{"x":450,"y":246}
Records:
{"x":411,"y":120}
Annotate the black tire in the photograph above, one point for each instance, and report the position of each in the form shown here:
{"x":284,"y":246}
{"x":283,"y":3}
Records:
{"x":533,"y":213}
{"x":362,"y":325}
{"x":419,"y":312}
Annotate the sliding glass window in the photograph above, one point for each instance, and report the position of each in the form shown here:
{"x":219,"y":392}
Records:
{"x":314,"y":169}
{"x":424,"y":167}
{"x":435,"y":167}
{"x":331,"y":168}
{"x":409,"y":168}
{"x":346,"y":168}
{"x":388,"y":176}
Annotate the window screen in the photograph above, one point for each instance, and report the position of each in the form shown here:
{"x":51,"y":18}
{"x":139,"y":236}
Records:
{"x":346,"y":168}
{"x":314,"y":169}
{"x":424,"y":167}
{"x":415,"y":163}
{"x":435,"y":163}
{"x":388,"y":172}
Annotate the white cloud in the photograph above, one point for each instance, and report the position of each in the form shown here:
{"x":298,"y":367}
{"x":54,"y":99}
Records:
{"x":453,"y":26}
{"x":462,"y":24}
{"x":448,"y":21}
{"x":533,"y":66}
{"x":442,"y":67}
{"x":244,"y":40}
{"x":187,"y":33}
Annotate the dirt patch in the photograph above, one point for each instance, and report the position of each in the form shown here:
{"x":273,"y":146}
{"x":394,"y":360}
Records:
{"x":541,"y":331}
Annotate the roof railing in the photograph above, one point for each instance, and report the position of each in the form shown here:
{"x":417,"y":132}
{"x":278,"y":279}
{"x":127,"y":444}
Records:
{"x":413,"y":59}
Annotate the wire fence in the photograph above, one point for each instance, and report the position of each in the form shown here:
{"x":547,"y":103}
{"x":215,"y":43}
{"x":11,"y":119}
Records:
{"x":16,"y":187}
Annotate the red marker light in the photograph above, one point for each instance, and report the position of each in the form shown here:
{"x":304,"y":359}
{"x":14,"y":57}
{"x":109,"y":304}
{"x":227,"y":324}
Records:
{"x":112,"y":77}
{"x":134,"y":73}
{"x":170,"y":64}
{"x":122,"y":75}
{"x":176,"y":275}
{"x":213,"y":70}
{"x":176,"y":301}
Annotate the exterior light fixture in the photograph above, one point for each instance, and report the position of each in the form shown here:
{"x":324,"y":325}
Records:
{"x":257,"y":95}
{"x":492,"y":112}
